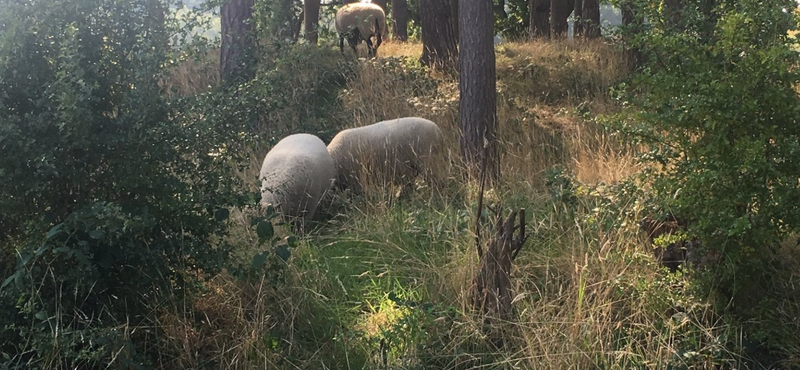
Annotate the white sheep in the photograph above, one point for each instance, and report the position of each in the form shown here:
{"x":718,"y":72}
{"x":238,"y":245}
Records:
{"x":295,"y":175}
{"x":388,"y":152}
{"x":360,"y":21}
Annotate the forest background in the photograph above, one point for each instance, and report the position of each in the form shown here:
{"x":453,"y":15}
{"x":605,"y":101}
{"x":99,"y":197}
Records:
{"x":131,"y":235}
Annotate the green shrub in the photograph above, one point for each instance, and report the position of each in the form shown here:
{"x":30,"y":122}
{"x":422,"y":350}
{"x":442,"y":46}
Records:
{"x":113,"y":199}
{"x":717,"y":105}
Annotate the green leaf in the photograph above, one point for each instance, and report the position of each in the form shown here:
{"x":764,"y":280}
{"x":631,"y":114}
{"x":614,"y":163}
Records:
{"x":259,"y":260}
{"x":270,"y":211}
{"x":264,"y":231}
{"x":54,"y":231}
{"x":221,"y":214}
{"x":292,"y":241}
{"x":283,"y":252}
{"x":97,"y":234}
{"x":41,"y":315}
{"x":9,"y":279}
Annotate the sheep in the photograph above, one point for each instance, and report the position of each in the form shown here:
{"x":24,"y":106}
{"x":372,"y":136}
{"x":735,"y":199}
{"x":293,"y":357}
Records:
{"x":393,"y":151}
{"x":360,"y":21}
{"x":295,"y":175}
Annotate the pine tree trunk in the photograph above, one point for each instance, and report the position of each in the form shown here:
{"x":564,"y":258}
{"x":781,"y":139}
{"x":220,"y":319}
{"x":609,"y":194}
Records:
{"x":591,"y":19}
{"x":238,"y":42}
{"x":577,"y":14}
{"x":632,"y":24}
{"x":672,"y":11}
{"x":438,"y":34}
{"x":311,"y":17}
{"x":559,"y":13}
{"x":400,"y":16}
{"x":539,"y":18}
{"x":478,"y":106}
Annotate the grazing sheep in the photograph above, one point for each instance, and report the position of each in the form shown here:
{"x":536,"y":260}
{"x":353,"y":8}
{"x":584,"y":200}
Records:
{"x":360,"y":21}
{"x":393,"y":151}
{"x":295,"y":174}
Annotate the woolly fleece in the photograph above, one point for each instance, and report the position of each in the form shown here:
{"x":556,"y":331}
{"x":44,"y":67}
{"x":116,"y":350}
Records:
{"x":392,"y":151}
{"x":361,"y":16}
{"x":295,"y":175}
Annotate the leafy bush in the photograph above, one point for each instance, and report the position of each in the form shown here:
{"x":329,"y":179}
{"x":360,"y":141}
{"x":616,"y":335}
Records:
{"x":112,"y":199}
{"x":717,"y":105}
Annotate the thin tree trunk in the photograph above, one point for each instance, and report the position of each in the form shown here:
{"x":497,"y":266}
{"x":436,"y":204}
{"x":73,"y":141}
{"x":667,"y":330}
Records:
{"x":400,"y":17}
{"x":454,"y":17}
{"x":311,"y":17}
{"x":539,"y":18}
{"x":577,"y":15}
{"x":632,"y":25}
{"x":499,"y":8}
{"x":591,"y":19}
{"x":238,"y":42}
{"x":438,"y":37}
{"x":478,"y":87}
{"x":673,"y":11}
{"x":559,"y":13}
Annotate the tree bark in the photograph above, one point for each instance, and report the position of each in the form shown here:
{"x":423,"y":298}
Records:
{"x":400,"y":17}
{"x":454,"y":17}
{"x":591,"y":19}
{"x":284,"y":21}
{"x":632,"y":26}
{"x":311,"y":18}
{"x":673,"y":11}
{"x":478,"y":87}
{"x":559,"y":12}
{"x":577,"y":15}
{"x":539,"y":18}
{"x":236,"y":63}
{"x":499,"y":8}
{"x":438,"y":34}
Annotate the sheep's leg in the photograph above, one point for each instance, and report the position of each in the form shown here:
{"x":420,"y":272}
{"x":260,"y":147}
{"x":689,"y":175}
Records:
{"x":380,"y":35}
{"x":370,"y":49}
{"x":354,"y":39}
{"x":341,"y":43}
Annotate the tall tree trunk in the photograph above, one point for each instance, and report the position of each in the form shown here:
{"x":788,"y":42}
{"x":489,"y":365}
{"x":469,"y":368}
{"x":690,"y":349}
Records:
{"x":236,"y":63}
{"x":478,"y":87}
{"x":454,"y":17}
{"x":438,"y":34}
{"x":632,"y":26}
{"x":400,"y":17}
{"x":499,"y":8}
{"x":539,"y":18}
{"x":673,"y":11}
{"x":577,"y":15}
{"x":311,"y":18}
{"x":284,"y":21}
{"x":591,"y":19}
{"x":559,"y":13}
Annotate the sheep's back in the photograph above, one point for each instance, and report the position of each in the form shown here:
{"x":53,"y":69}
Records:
{"x":361,"y":15}
{"x":385,"y":151}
